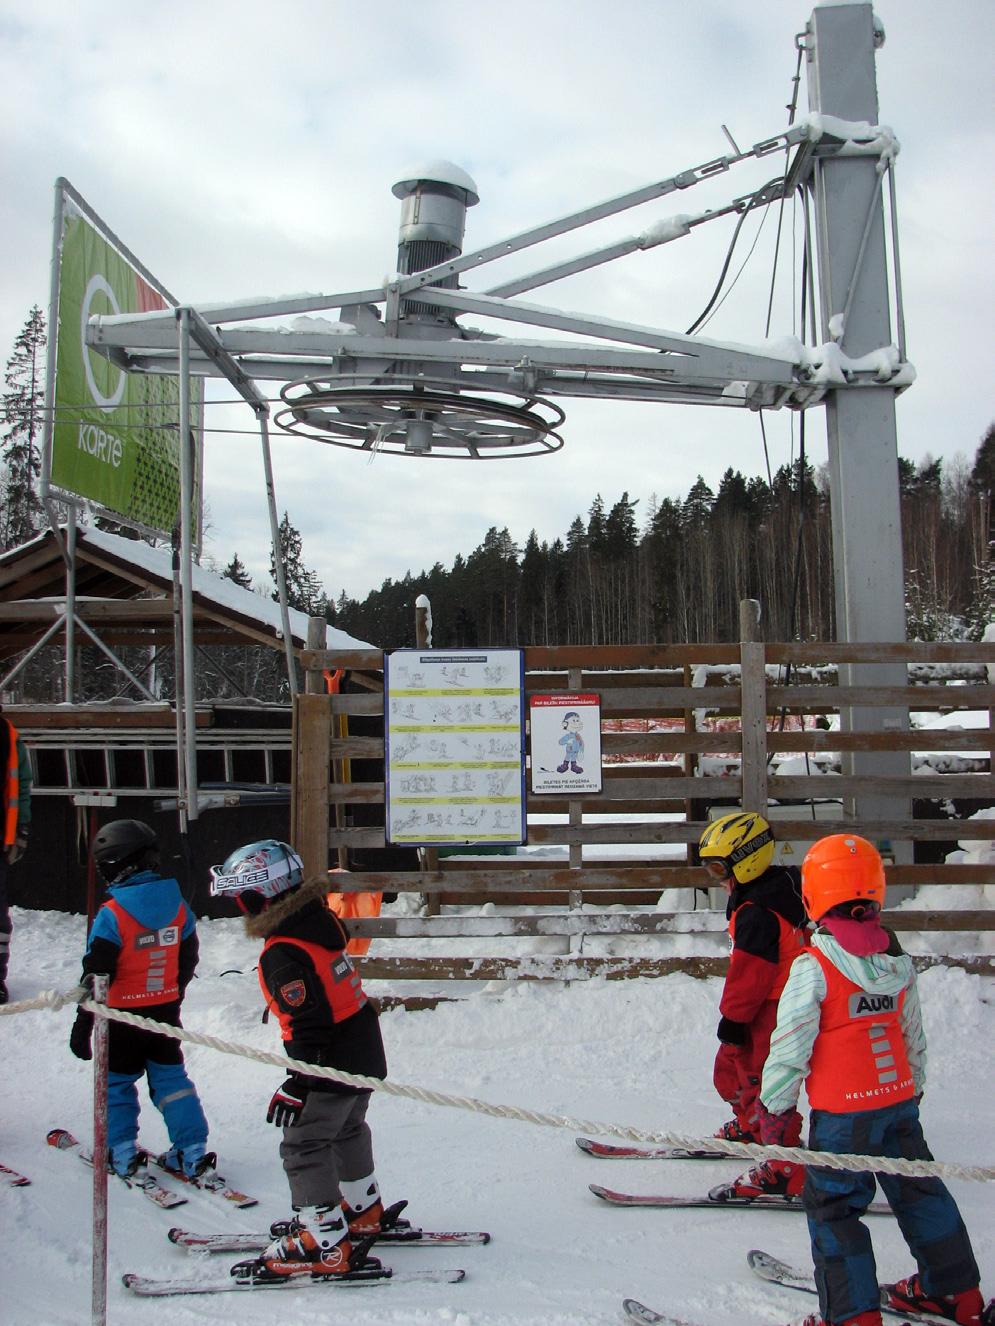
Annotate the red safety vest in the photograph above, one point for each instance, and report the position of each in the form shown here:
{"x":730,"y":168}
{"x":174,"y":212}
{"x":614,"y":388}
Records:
{"x":339,"y":980}
{"x":11,"y":787}
{"x":790,"y":942}
{"x":148,"y":968}
{"x":859,"y":1060}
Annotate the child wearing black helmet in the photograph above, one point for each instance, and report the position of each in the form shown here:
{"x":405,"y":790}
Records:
{"x":312,"y":988}
{"x":144,"y":938}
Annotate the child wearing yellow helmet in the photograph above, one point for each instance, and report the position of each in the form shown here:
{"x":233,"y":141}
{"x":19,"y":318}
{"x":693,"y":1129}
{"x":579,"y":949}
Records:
{"x":766,"y":916}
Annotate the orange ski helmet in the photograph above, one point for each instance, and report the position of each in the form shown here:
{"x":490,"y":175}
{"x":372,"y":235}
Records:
{"x":841,"y":868}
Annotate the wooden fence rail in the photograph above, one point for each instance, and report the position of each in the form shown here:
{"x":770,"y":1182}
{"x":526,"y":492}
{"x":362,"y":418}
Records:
{"x":675,"y":752}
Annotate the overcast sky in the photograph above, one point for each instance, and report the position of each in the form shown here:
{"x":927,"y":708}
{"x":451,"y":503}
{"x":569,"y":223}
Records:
{"x":249,"y":149}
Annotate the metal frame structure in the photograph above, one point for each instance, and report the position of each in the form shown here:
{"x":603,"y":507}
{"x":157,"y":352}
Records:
{"x":396,"y":339}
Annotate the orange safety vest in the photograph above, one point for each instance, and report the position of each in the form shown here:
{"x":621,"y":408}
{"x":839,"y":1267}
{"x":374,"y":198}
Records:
{"x":349,"y":905}
{"x":859,"y":1060}
{"x":148,"y":968}
{"x":11,"y":784}
{"x":790,"y":942}
{"x":339,"y":980}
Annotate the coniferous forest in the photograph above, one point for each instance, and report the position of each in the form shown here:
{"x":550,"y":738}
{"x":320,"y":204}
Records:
{"x":672,"y":570}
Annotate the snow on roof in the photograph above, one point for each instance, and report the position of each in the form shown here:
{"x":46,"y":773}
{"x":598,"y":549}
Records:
{"x":214,"y":588}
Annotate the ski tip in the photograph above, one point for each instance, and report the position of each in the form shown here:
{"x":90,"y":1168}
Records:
{"x":129,"y":1278}
{"x":175,"y":1234}
{"x":585,"y":1144}
{"x":456,"y":1276}
{"x":60,"y":1137}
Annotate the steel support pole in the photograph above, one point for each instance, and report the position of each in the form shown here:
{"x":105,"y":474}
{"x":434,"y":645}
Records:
{"x":281,"y":580}
{"x":70,"y":674}
{"x":861,"y":425}
{"x":101,"y":1027}
{"x":186,"y":567}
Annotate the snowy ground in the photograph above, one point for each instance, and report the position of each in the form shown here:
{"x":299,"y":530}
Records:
{"x":630,"y":1052}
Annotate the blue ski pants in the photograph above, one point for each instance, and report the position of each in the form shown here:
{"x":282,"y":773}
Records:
{"x":834,"y":1201}
{"x":174,"y":1096}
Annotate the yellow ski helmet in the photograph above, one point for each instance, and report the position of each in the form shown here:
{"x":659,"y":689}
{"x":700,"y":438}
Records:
{"x":742,"y":842}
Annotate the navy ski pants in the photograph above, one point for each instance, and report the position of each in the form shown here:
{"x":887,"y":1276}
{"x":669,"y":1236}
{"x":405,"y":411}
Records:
{"x":835,"y":1200}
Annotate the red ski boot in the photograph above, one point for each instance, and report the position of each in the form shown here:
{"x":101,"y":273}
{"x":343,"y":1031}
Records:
{"x":966,"y":1308}
{"x":771,"y":1178}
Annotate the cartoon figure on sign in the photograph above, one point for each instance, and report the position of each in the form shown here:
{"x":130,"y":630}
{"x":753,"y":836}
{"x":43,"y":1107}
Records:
{"x":572,"y":743}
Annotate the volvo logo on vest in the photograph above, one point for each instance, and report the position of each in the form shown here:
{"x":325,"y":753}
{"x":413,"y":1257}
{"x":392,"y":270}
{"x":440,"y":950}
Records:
{"x":865,"y":1005}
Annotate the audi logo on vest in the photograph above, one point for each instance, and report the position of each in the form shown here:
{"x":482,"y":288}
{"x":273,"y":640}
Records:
{"x":864,"y":1005}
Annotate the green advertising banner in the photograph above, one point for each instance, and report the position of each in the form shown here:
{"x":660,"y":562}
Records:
{"x":115,"y":438}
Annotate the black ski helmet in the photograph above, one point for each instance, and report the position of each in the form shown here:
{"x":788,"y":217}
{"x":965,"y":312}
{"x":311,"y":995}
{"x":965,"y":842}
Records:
{"x":123,"y":847}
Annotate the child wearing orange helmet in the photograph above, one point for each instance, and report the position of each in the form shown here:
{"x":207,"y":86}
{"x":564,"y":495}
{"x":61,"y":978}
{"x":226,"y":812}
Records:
{"x":849,"y":1025}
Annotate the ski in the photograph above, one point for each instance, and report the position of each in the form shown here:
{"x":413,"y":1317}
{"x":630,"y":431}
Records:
{"x":606,"y":1151}
{"x":721,"y":1203}
{"x":776,"y":1272}
{"x":643,"y":1316}
{"x":209,"y":1182}
{"x":13,"y":1177}
{"x":140,"y":1182}
{"x":146,"y":1287}
{"x":254,"y":1242}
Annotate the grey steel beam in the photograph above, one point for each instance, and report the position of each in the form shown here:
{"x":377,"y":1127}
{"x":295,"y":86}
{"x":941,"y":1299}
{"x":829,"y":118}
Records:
{"x":863,"y":442}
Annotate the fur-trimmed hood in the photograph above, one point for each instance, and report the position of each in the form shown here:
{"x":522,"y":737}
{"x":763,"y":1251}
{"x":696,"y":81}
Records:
{"x":263,"y":925}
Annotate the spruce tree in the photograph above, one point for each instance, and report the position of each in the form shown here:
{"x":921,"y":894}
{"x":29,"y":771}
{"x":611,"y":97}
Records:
{"x":23,"y":404}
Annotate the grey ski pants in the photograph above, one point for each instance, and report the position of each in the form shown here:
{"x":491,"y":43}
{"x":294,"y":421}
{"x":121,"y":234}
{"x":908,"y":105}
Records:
{"x":330,"y":1141}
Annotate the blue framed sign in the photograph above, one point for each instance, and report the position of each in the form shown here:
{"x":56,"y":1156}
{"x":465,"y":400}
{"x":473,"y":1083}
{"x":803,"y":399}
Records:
{"x":455,"y":746}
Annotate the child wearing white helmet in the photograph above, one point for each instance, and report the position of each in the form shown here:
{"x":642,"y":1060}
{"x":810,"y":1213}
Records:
{"x":313,"y":990}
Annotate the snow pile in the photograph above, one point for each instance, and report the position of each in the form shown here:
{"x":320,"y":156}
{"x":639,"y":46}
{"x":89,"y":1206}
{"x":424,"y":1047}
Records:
{"x":630,"y":1052}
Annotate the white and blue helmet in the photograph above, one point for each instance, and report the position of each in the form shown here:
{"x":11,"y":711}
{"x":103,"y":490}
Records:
{"x":267,"y":868}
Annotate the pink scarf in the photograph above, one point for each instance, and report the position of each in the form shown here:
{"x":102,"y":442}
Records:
{"x":861,"y":938}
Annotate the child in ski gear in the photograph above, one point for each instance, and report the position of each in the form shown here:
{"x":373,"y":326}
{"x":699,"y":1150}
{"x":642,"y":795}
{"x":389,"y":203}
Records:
{"x":144,"y":938}
{"x":766,"y":917}
{"x":15,"y":816}
{"x":311,"y":986}
{"x":849,"y":1025}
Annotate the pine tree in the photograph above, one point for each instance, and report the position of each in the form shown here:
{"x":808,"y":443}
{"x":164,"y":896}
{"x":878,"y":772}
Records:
{"x":235,"y":570}
{"x":304,"y":591}
{"x":23,"y":403}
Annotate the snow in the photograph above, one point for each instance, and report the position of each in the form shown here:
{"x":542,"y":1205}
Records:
{"x":630,"y":1052}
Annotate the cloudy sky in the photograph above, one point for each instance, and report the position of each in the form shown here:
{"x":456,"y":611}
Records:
{"x":249,"y":149}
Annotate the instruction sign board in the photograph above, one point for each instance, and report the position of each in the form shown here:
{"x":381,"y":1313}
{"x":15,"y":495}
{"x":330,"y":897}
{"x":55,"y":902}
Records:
{"x":566,"y":743}
{"x":455,"y":746}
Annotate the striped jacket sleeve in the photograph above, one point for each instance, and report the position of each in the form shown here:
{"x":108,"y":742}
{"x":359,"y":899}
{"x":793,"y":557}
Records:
{"x":798,"y":1014}
{"x":914,"y":1036}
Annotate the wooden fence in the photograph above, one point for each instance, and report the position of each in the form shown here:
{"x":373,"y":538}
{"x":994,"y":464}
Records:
{"x":685,"y":728}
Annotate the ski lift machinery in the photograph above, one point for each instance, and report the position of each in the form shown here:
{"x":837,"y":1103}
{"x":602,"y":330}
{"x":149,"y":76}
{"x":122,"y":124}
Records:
{"x":400,"y":374}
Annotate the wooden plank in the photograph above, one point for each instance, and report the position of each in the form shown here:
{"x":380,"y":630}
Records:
{"x":614,"y":923}
{"x":310,"y":780}
{"x":353,"y":660}
{"x":559,"y":878}
{"x":586,"y":657}
{"x":917,"y":651}
{"x":37,"y":718}
{"x":913,"y":697}
{"x":539,"y":967}
{"x":831,"y":787}
{"x":815,"y":739}
{"x":754,"y":763}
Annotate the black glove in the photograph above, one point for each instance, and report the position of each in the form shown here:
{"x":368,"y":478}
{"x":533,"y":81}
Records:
{"x":732,"y":1033}
{"x":18,"y":847}
{"x":79,"y":1037}
{"x":288,"y":1102}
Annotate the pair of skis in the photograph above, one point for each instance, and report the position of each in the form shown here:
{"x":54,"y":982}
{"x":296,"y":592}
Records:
{"x":402,"y":1235}
{"x":775,"y":1272}
{"x":157,"y":1193}
{"x":721,"y":1195}
{"x":13,"y":1178}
